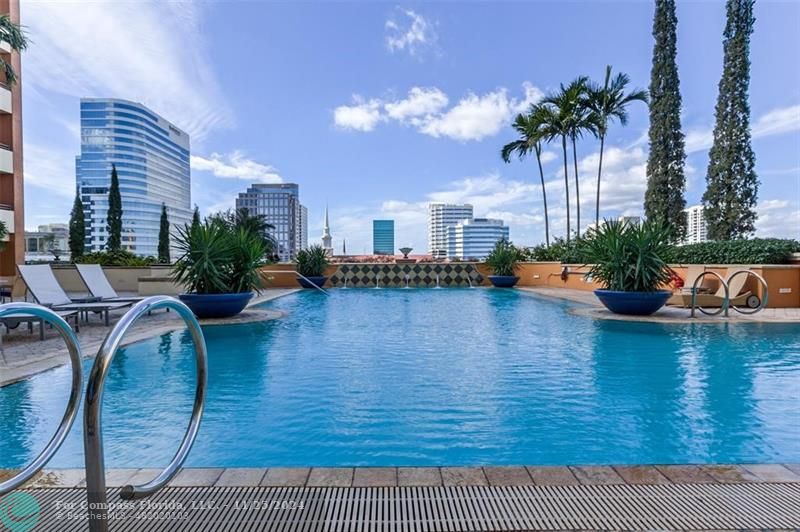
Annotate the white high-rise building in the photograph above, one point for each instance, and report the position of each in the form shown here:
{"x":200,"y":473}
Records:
{"x":474,"y":239}
{"x":696,"y":230}
{"x":440,"y":217}
{"x":279,"y":204}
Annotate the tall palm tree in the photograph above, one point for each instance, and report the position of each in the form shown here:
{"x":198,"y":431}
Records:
{"x":531,"y":130}
{"x":606,"y":104}
{"x":574,"y":118}
{"x":13,"y":35}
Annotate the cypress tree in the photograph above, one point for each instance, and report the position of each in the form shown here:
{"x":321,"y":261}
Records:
{"x":163,"y":237}
{"x":666,"y":182}
{"x":77,"y":229}
{"x":731,"y":182}
{"x":196,"y":217}
{"x":114,"y":216}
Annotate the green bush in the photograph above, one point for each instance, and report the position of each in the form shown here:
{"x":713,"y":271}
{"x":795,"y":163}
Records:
{"x":504,"y":258}
{"x":119,"y":257}
{"x":629,"y":257}
{"x":311,"y":262}
{"x":559,"y":251}
{"x":752,"y":251}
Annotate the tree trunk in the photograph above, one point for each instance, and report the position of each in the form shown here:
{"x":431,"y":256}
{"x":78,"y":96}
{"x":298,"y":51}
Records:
{"x":577,"y":190}
{"x":599,"y":172}
{"x":566,"y":179}
{"x":544,"y":198}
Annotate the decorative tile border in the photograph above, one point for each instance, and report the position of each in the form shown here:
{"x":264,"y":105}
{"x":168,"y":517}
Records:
{"x":419,"y":275}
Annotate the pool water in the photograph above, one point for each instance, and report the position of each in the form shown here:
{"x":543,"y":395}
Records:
{"x":437,"y":377}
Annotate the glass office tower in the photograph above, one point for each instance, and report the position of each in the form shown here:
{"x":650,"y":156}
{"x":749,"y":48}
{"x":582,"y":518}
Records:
{"x":279,"y":204}
{"x":383,"y":237}
{"x":152,"y":160}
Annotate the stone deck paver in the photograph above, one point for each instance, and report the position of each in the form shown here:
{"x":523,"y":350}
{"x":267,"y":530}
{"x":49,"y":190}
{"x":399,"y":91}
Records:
{"x":286,"y":476}
{"x":552,"y":475}
{"x":341,"y":477}
{"x":199,"y":476}
{"x":772,"y":472}
{"x":641,"y":475}
{"x":464,"y":476}
{"x":685,"y":474}
{"x":419,"y":476}
{"x":374,"y":476}
{"x":241,"y":477}
{"x":592,"y":475}
{"x":508,"y":476}
{"x":729,"y":473}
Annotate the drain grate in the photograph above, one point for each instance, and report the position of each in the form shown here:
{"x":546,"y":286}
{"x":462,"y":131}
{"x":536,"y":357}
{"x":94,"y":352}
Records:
{"x":412,"y":509}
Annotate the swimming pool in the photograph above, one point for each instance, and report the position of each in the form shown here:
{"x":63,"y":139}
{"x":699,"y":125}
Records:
{"x":437,"y":377}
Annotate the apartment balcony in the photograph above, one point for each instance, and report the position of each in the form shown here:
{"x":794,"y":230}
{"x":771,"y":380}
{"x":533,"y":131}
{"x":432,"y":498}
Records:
{"x":7,"y":217}
{"x":5,"y":99}
{"x":6,"y":159}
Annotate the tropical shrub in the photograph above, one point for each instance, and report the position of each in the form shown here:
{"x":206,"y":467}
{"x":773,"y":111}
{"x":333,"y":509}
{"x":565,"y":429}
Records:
{"x":120,"y":257}
{"x":504,"y":258}
{"x":629,"y":257}
{"x":218,"y":259}
{"x":312,"y":262}
{"x":559,"y":251}
{"x":752,"y":251}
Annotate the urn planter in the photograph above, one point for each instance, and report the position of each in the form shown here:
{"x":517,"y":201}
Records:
{"x":312,"y":282}
{"x":216,"y":305}
{"x":503,"y":281}
{"x":633,"y":303}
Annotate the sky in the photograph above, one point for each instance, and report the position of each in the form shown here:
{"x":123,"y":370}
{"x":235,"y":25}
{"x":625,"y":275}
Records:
{"x":377,"y":108}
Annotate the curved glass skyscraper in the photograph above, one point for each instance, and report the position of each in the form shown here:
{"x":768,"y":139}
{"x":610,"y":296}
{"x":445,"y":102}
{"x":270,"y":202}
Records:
{"x":152,"y":160}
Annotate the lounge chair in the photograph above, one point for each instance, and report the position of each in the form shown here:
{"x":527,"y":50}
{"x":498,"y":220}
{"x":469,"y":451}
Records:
{"x":736,"y":290}
{"x":98,"y":285}
{"x":44,"y":287}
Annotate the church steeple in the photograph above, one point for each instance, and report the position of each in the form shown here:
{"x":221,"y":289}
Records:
{"x":326,"y":234}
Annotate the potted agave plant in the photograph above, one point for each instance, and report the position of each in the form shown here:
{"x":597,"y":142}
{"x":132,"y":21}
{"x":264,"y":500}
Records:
{"x":503,"y":261}
{"x":310,"y":264}
{"x":219,"y":267}
{"x":628,"y":260}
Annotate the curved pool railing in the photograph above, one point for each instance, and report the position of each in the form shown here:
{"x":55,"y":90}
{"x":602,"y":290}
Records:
{"x":725,"y":301}
{"x":8,"y":310}
{"x":762,"y":303}
{"x":93,"y":434}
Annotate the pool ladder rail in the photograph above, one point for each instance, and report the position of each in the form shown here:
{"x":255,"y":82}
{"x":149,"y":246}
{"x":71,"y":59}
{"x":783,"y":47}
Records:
{"x":726,"y":301}
{"x":92,"y":420}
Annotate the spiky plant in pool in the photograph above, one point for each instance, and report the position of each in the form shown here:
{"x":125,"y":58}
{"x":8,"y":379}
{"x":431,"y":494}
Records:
{"x":629,"y":257}
{"x":312,"y":262}
{"x":504,"y":258}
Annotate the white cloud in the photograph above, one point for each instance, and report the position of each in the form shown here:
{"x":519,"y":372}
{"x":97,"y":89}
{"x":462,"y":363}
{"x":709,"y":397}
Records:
{"x":409,"y":31}
{"x":774,"y":122}
{"x":362,"y":115}
{"x":148,"y":51}
{"x":473,"y":117}
{"x":50,"y":170}
{"x":235,"y":165}
{"x":778,"y":219}
{"x":548,"y":156}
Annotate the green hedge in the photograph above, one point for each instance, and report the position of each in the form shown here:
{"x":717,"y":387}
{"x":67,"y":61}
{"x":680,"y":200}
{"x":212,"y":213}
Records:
{"x":752,"y":251}
{"x":116,"y":258}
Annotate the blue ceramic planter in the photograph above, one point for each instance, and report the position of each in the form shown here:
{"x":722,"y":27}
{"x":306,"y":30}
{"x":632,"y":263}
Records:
{"x":216,"y":305}
{"x":633,"y":303}
{"x":503,"y":281}
{"x":319,"y":282}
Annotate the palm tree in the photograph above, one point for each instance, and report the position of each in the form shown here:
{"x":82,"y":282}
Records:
{"x":607,"y":103}
{"x":13,"y":35}
{"x":531,"y":134}
{"x":573,"y":118}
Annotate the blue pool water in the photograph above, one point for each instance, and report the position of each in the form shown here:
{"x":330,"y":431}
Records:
{"x":422,"y":377}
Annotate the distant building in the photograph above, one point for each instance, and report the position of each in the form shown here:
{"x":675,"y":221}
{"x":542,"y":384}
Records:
{"x":152,"y":160}
{"x":440,"y":217}
{"x":696,"y":230}
{"x":48,"y":242}
{"x":279,"y":204}
{"x":327,"y":239}
{"x":383,"y":237}
{"x":474,"y":239}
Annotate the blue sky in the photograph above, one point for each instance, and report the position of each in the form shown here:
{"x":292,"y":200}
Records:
{"x":377,"y":108}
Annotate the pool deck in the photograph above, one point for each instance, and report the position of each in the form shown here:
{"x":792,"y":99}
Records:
{"x":593,"y":308}
{"x":25,"y":355}
{"x":713,"y":497}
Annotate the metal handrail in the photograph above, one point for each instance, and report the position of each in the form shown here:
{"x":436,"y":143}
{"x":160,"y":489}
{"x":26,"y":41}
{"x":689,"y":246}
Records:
{"x":725,"y":301}
{"x":75,"y":356}
{"x":763,"y":282}
{"x":92,"y":429}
